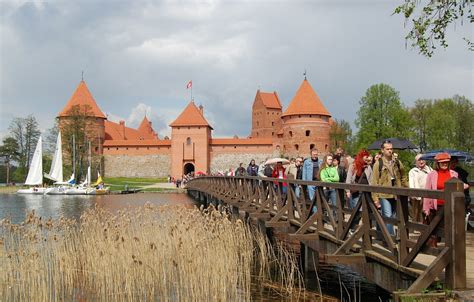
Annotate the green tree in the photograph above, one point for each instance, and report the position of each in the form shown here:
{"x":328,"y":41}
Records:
{"x":381,"y":115}
{"x":78,"y":133}
{"x":420,"y":115}
{"x":430,"y":19}
{"x":9,"y":152}
{"x":340,"y":135}
{"x":464,"y":126}
{"x":26,"y":133}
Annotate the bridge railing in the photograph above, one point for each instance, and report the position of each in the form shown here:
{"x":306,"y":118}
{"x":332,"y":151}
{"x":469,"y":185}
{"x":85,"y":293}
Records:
{"x":360,"y":231}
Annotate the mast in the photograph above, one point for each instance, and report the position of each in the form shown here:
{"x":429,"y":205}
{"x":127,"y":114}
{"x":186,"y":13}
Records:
{"x":73,"y":155}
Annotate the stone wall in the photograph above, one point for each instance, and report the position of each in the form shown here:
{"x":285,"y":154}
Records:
{"x":225,"y":161}
{"x":137,"y":165}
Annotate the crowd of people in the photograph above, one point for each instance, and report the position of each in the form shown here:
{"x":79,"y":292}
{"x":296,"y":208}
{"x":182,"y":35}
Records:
{"x":382,"y":169}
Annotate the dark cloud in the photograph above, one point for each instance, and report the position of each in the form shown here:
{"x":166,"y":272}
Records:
{"x":141,"y":55}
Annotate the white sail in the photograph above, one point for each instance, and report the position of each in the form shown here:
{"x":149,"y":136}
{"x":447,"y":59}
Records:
{"x":35,"y":174}
{"x":56,"y":172}
{"x":88,"y":179}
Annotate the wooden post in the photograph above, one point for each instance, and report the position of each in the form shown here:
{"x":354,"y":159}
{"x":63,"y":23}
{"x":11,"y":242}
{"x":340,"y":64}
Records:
{"x":455,"y":234}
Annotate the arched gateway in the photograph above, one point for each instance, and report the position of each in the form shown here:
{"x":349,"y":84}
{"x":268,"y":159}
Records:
{"x":188,"y":168}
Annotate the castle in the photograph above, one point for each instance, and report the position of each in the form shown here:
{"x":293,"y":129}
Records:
{"x":140,"y":152}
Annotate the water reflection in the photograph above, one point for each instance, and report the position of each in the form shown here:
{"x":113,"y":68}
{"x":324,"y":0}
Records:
{"x":54,"y":206}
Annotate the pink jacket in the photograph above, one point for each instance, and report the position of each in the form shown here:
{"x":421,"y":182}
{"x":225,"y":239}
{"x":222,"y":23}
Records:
{"x":432,"y":184}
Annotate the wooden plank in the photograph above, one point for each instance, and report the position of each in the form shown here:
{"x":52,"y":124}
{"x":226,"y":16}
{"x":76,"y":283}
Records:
{"x":260,"y":215}
{"x":431,"y":273}
{"x":346,"y":246}
{"x":345,"y":259}
{"x":304,"y":237}
{"x":277,"y":224}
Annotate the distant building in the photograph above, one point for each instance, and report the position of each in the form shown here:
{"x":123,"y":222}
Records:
{"x":129,"y":152}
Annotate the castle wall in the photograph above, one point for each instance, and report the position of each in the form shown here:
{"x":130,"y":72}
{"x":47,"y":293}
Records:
{"x":146,"y":165}
{"x":230,"y":156}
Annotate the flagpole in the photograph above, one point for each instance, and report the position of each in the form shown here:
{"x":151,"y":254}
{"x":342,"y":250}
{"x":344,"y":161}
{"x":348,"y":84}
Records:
{"x":192,"y":92}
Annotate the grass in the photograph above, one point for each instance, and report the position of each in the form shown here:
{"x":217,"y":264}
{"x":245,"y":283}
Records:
{"x":133,"y":182}
{"x":169,"y":253}
{"x":9,"y":189}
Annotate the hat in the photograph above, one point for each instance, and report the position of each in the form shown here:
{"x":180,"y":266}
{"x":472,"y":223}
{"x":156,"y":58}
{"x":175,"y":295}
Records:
{"x":442,"y":157}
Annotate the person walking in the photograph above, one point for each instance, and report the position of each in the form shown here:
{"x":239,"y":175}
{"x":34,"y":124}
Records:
{"x":240,"y":171}
{"x":328,"y":173}
{"x":360,"y":172}
{"x":388,"y":172}
{"x":311,"y":171}
{"x":252,"y":169}
{"x":417,"y":180}
{"x":341,"y":170}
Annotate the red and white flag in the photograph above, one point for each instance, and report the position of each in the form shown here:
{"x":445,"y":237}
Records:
{"x":190,"y":84}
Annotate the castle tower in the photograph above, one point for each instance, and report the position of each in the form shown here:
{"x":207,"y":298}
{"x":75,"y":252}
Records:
{"x":305,"y":123}
{"x":82,"y":105}
{"x":190,"y":139}
{"x":266,"y":115}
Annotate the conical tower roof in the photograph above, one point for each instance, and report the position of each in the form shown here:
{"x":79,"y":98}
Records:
{"x":82,"y":97}
{"x":191,"y":116}
{"x":306,"y":101}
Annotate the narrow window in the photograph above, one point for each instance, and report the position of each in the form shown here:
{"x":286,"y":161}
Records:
{"x":297,"y":147}
{"x":273,"y":123}
{"x":311,"y":147}
{"x":290,"y":133}
{"x":308,"y":132}
{"x":326,"y":147}
{"x":188,"y":141}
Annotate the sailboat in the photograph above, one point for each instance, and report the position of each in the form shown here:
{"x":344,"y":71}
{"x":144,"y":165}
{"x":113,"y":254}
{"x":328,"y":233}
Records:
{"x":56,"y":171}
{"x":98,"y":187}
{"x":35,"y":173}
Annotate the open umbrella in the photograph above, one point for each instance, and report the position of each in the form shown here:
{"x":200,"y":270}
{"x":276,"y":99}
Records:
{"x":397,"y":143}
{"x":460,"y":155}
{"x":275,"y":160}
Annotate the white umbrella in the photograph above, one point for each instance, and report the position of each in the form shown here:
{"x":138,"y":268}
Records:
{"x":275,"y":160}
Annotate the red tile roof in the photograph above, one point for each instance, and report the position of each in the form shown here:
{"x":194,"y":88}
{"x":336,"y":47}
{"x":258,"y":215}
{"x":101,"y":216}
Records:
{"x":269,"y":99}
{"x":114,"y":131}
{"x":241,"y":141}
{"x":128,"y":143}
{"x":145,"y":130}
{"x":83,"y":98}
{"x":191,"y":116}
{"x":306,"y":101}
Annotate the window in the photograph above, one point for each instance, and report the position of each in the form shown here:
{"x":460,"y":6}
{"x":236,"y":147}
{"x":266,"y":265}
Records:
{"x":326,"y":147}
{"x":308,"y":132}
{"x":290,"y":133}
{"x":311,"y":147}
{"x":273,"y":123}
{"x":273,"y":133}
{"x":257,"y":124}
{"x":297,"y":147}
{"x":188,"y":141}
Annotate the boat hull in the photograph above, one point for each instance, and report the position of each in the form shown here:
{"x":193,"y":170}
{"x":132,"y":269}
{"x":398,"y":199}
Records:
{"x":35,"y":191}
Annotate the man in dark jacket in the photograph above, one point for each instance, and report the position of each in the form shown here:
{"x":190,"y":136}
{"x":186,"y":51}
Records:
{"x":252,"y":169}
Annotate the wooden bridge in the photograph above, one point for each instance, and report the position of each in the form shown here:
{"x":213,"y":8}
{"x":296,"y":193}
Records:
{"x":395,"y":262}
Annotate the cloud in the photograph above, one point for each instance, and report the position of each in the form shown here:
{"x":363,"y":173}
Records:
{"x":148,"y":51}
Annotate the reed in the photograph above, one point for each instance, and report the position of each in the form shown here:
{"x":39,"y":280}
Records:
{"x":170,"y":253}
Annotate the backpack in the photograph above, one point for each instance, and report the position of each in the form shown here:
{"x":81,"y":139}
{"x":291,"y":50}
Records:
{"x":268,"y":172}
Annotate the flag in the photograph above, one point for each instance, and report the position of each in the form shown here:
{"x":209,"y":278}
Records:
{"x":190,"y":84}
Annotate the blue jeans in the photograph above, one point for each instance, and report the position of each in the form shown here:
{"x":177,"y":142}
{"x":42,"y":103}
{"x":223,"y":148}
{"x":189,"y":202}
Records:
{"x":330,"y":195}
{"x":352,"y":204}
{"x":311,"y":193}
{"x":388,"y":210}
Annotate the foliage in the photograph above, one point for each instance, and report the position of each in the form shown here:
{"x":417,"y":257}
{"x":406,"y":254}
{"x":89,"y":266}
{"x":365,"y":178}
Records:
{"x":51,"y":138}
{"x":9,"y":152}
{"x":444,"y":123}
{"x":381,"y":115}
{"x":26,"y":133}
{"x":340,"y":135}
{"x":430,"y":21}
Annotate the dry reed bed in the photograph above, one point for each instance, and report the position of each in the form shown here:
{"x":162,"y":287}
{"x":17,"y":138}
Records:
{"x":169,"y":253}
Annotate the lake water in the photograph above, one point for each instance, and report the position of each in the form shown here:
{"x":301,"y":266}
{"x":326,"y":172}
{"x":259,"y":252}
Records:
{"x":16,"y":206}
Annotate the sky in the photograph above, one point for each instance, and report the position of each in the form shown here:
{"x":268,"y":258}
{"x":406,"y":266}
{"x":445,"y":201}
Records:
{"x":138,"y":56}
